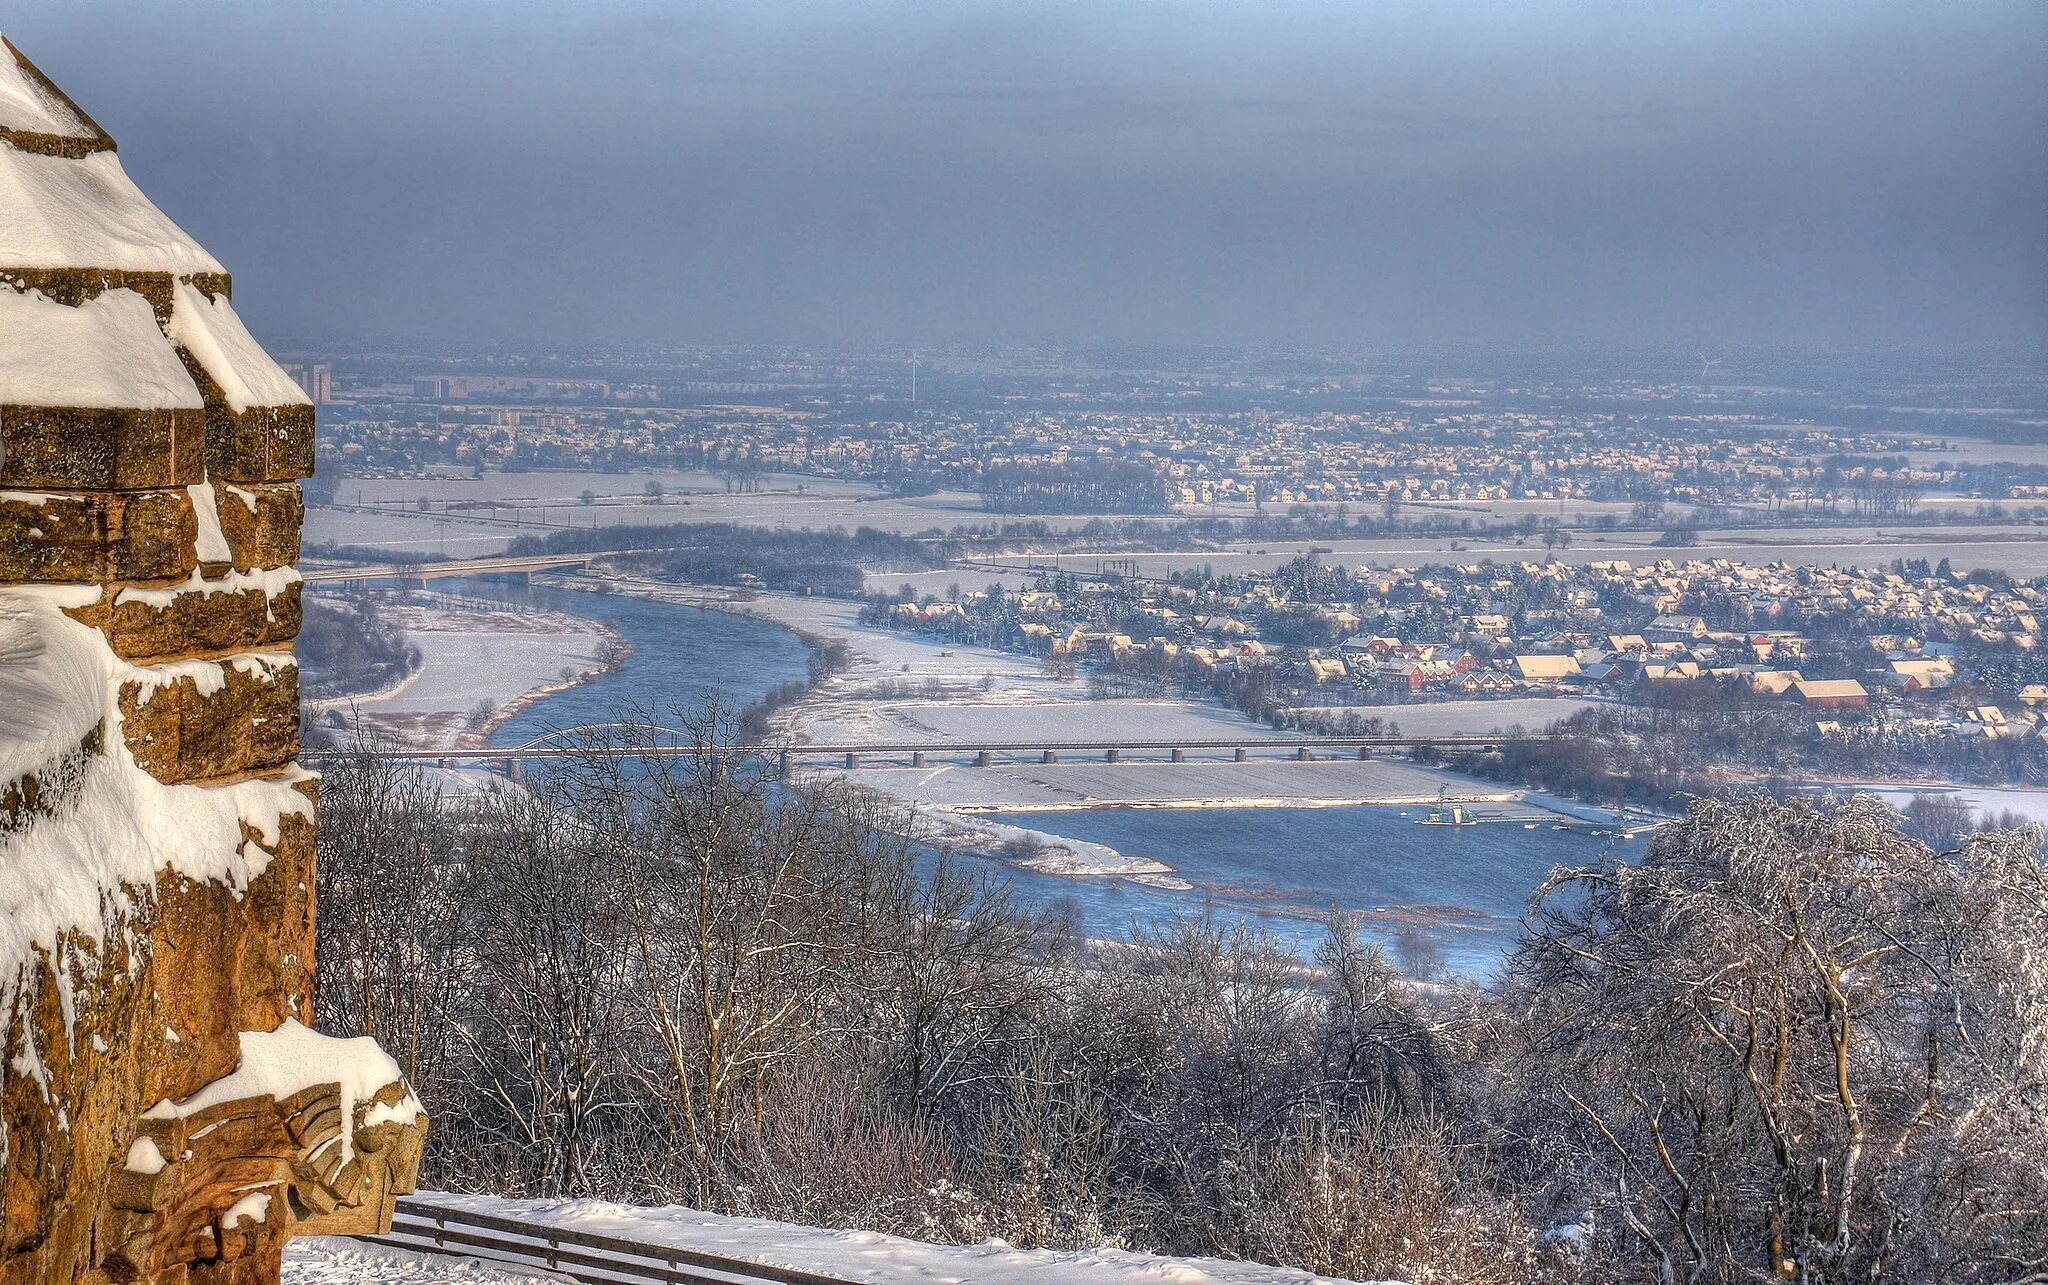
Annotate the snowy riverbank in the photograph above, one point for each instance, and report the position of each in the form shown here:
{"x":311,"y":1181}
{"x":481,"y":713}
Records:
{"x":480,"y":664}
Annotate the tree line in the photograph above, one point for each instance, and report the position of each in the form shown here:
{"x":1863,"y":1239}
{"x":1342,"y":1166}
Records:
{"x":1793,"y":1041}
{"x":347,"y":647}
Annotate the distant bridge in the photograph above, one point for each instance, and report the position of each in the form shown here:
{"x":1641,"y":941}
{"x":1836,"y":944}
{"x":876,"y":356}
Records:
{"x":986,"y":753}
{"x":446,"y":570}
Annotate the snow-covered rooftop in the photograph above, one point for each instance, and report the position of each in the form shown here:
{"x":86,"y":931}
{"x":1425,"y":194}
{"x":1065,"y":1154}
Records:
{"x":80,"y":213}
{"x":75,"y":211}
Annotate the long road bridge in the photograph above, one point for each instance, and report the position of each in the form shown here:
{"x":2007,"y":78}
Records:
{"x":983,"y":753}
{"x":447,"y":569}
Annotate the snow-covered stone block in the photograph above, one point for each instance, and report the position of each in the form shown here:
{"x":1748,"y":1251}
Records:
{"x":207,"y":720}
{"x":260,"y":522}
{"x":200,"y":615}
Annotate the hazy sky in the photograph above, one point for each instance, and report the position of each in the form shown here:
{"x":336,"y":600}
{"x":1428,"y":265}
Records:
{"x":1339,"y":176}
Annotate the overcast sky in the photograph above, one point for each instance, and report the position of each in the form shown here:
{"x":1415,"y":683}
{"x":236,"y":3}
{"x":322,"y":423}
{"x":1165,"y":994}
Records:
{"x":1347,"y":175}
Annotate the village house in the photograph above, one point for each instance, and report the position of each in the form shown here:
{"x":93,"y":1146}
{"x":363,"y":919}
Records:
{"x":1548,"y":670}
{"x":1920,"y":673}
{"x":1831,"y":693}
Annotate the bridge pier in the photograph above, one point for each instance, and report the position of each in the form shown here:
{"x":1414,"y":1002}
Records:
{"x":1364,"y":753}
{"x":1303,"y":755}
{"x":1049,"y":757}
{"x":1239,"y":756}
{"x":1180,"y":756}
{"x":982,"y":759}
{"x":1111,"y":755}
{"x":785,"y":765}
{"x":852,"y":761}
{"x":917,"y":758}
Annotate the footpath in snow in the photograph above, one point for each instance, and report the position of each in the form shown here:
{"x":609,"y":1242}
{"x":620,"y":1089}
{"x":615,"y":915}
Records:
{"x":863,"y":1256}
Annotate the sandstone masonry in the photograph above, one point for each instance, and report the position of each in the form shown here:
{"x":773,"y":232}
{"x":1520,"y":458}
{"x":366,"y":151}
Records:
{"x":168,"y":1115}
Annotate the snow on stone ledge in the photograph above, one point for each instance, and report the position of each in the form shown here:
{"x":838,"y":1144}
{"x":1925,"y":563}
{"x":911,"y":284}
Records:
{"x":56,"y":212}
{"x":75,"y":864}
{"x":209,"y":329}
{"x":51,"y":693}
{"x":294,"y":1058}
{"x":107,"y":352}
{"x":270,"y":583}
{"x":27,"y":106}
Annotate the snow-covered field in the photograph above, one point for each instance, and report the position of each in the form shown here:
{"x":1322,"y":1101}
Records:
{"x":855,"y":1255}
{"x":472,"y":658}
{"x":338,"y":1260}
{"x":1022,"y":704}
{"x":534,"y":503}
{"x":2007,"y":546}
{"x":1029,"y":786}
{"x":460,"y":669}
{"x":2031,"y":804}
{"x":1476,"y":717}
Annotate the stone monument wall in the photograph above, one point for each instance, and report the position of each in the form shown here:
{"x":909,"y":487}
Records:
{"x":168,"y":1116}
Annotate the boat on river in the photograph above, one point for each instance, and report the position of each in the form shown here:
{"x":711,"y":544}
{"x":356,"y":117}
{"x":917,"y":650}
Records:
{"x":1447,"y":813}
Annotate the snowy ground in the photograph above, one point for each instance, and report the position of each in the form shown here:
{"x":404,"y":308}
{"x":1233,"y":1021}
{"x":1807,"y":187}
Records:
{"x":469,"y":659}
{"x":2029,"y":803}
{"x":384,"y":513}
{"x":1475,"y":717}
{"x":1020,"y":703}
{"x":338,"y":1260}
{"x":533,"y":503}
{"x":902,"y":688}
{"x":855,"y":1255}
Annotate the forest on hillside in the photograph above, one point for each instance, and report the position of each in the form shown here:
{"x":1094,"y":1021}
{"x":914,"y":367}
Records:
{"x":1795,"y":1041}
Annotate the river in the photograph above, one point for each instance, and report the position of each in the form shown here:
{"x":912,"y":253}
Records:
{"x":681,"y":657}
{"x":1280,"y":868}
{"x":1464,"y":889}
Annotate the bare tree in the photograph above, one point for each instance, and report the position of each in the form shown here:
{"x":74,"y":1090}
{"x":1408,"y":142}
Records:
{"x":1779,"y":1045}
{"x":546,"y":1026}
{"x":394,"y":945}
{"x":749,"y":907}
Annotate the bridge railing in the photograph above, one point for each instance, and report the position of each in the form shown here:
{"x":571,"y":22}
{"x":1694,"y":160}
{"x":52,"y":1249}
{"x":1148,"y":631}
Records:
{"x":443,"y":570}
{"x":1104,"y":745}
{"x":424,"y":1226}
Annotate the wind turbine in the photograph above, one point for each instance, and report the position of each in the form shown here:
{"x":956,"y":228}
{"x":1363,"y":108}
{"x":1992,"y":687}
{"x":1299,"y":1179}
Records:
{"x":1707,"y":364}
{"x":913,"y":377}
